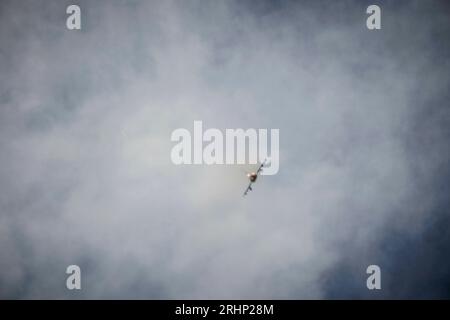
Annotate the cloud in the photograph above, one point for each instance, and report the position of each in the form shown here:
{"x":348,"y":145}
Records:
{"x":86,"y":176}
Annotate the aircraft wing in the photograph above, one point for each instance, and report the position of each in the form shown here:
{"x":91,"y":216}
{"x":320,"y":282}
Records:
{"x":249,"y":188}
{"x":261,"y":167}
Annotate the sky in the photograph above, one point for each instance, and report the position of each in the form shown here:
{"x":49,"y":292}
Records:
{"x":86,"y":177}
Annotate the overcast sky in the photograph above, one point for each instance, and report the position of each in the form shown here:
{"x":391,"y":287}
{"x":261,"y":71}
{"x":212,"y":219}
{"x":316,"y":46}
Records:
{"x":85,"y":170}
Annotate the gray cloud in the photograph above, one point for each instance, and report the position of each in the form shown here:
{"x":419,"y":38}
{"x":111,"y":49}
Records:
{"x":86,"y":176}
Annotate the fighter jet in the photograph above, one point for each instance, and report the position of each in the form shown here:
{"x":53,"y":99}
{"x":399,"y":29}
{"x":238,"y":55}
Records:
{"x":252,"y":176}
